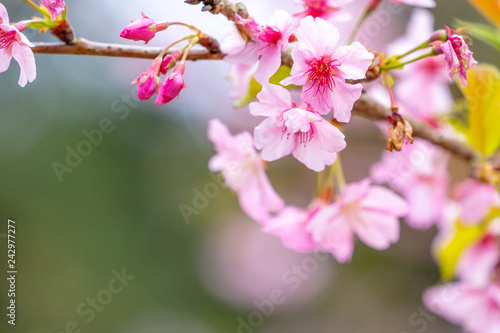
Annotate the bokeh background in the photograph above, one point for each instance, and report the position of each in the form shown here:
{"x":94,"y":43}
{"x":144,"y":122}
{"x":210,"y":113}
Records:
{"x":118,"y":210}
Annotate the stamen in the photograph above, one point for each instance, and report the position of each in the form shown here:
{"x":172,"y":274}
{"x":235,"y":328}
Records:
{"x":7,"y":39}
{"x":321,"y":74}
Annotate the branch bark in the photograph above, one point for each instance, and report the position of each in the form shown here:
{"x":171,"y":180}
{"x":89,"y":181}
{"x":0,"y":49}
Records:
{"x":367,"y":108}
{"x":364,"y":107}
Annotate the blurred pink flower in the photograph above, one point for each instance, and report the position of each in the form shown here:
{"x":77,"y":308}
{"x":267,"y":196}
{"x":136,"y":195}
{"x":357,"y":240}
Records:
{"x":477,"y":309}
{"x":322,"y":67}
{"x":55,"y":7}
{"x":14,"y":44}
{"x":424,"y":80}
{"x":266,"y":45}
{"x":474,"y":300}
{"x":458,"y":57}
{"x":475,"y":199}
{"x":243,"y":171}
{"x":172,"y":85}
{"x":325,"y":9}
{"x":419,"y":172}
{"x":289,"y":130}
{"x":370,"y":212}
{"x":290,"y":225}
{"x":477,"y":264}
{"x":144,"y":29}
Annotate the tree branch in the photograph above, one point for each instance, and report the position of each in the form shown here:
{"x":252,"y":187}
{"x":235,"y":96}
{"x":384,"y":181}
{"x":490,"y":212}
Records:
{"x":87,"y":47}
{"x":367,"y":108}
{"x":364,"y":107}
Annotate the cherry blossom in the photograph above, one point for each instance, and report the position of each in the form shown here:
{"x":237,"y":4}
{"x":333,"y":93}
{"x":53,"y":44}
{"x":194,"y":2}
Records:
{"x":325,"y":9}
{"x":290,"y":225}
{"x":419,"y":173}
{"x":14,"y":44}
{"x":422,"y":80}
{"x":290,"y":130}
{"x":322,"y":67}
{"x":368,"y":211}
{"x":458,"y":57}
{"x":55,"y":7}
{"x":475,"y":199}
{"x":265,"y":47}
{"x":474,"y":300}
{"x":243,"y":171}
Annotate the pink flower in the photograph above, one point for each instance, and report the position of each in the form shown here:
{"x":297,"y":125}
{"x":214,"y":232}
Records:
{"x":290,"y":225}
{"x":424,"y":80}
{"x":243,"y":171}
{"x":474,"y":300}
{"x":476,"y":199}
{"x":419,"y":172}
{"x":14,"y":44}
{"x":477,"y":265}
{"x":172,"y":85}
{"x":290,"y":130}
{"x":324,"y":9}
{"x":266,"y":45}
{"x":144,"y":29}
{"x":458,"y":57}
{"x":55,"y":7}
{"x":322,"y":67}
{"x":370,"y":212}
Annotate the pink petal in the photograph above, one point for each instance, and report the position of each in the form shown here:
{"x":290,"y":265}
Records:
{"x":386,"y":201}
{"x":313,"y":156}
{"x":317,"y":36}
{"x":290,"y":226}
{"x":355,"y":60}
{"x":273,"y":99}
{"x":4,"y":16}
{"x":376,"y":229}
{"x":26,"y":59}
{"x":332,"y":233}
{"x":269,"y":63}
{"x":5,"y":58}
{"x":343,"y":98}
{"x":269,"y":137}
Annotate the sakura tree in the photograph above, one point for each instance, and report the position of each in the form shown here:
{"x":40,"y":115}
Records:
{"x":304,"y":81}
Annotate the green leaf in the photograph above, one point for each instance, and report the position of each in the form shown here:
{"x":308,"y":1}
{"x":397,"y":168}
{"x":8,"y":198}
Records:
{"x":483,"y":97}
{"x":485,"y":33}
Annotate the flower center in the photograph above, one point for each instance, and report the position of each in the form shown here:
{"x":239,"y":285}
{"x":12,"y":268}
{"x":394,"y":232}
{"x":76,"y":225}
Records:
{"x":7,"y":39}
{"x":270,"y":36}
{"x":321,"y":73}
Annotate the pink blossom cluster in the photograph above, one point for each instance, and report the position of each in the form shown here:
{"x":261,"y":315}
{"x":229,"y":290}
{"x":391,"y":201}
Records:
{"x":473,"y":300}
{"x":55,"y":7}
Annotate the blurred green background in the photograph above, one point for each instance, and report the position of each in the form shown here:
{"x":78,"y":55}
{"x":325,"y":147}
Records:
{"x":118,"y":209}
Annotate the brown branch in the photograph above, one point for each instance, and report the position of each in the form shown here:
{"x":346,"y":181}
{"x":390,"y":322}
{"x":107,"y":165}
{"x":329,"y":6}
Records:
{"x":364,"y":107}
{"x":367,"y":108}
{"x":87,"y":47}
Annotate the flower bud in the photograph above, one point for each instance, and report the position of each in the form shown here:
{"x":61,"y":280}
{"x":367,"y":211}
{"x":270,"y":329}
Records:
{"x":172,"y":86}
{"x":141,"y":29}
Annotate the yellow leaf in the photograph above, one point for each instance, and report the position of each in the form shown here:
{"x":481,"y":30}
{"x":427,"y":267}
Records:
{"x":483,"y":97}
{"x":448,"y":252}
{"x":489,"y":8}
